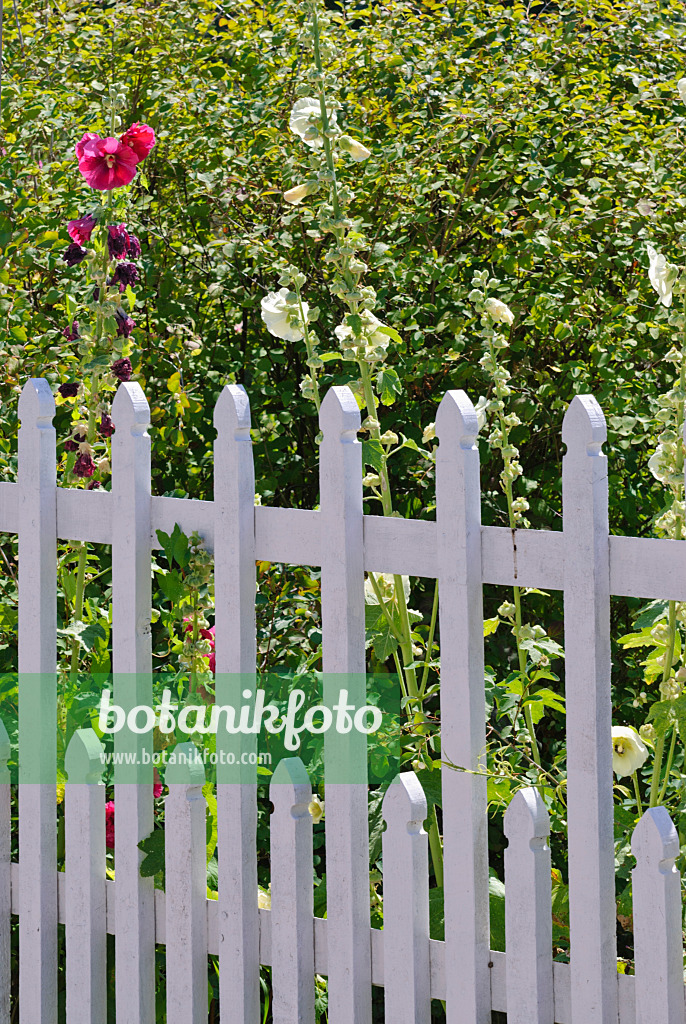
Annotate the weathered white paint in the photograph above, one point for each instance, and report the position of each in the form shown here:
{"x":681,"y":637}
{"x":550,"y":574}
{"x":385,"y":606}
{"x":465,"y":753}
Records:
{"x":347,"y":837}
{"x":292,"y":923}
{"x":5,"y":878}
{"x":36,"y":483}
{"x":590,"y":811}
{"x":407,"y":979}
{"x":186,"y":889}
{"x":463,"y":731}
{"x":86,"y":924}
{"x":235,"y":651}
{"x":132,"y":666}
{"x":658,"y":944}
{"x":528,"y":918}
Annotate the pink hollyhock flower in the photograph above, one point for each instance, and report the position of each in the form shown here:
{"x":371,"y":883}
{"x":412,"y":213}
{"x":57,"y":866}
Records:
{"x":140,"y":138}
{"x":107,"y":164}
{"x":79,"y":147}
{"x":157,"y":790}
{"x":109,"y":824}
{"x":81,"y":230}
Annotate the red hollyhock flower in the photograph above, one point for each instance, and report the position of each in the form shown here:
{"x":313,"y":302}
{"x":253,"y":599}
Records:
{"x":157,"y":790}
{"x":107,"y":164}
{"x":140,"y":138}
{"x":81,"y":230}
{"x":109,"y":824}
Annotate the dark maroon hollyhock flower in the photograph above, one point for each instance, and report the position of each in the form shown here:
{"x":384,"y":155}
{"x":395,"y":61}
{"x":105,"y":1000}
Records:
{"x":93,"y":485}
{"x":72,"y":333}
{"x":72,"y":445}
{"x":122,"y":369}
{"x":106,"y":427}
{"x":74,"y":254}
{"x":80,"y":230}
{"x":125,"y":274}
{"x":69,"y":390}
{"x":84,"y":465}
{"x":134,"y":248}
{"x":96,"y":295}
{"x":117,"y":241}
{"x":124,"y":324}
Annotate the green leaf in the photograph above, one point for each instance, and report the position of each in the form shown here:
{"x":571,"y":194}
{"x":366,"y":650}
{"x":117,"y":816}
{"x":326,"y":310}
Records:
{"x":496,"y":903}
{"x":651,"y":614}
{"x":153,"y":848}
{"x":390,"y":332}
{"x":373,"y":455}
{"x":384,"y":644}
{"x":430,"y":779}
{"x":490,"y":625}
{"x":86,"y":633}
{"x":171,"y":585}
{"x":388,"y":385}
{"x":663,"y":715}
{"x":436,"y":914}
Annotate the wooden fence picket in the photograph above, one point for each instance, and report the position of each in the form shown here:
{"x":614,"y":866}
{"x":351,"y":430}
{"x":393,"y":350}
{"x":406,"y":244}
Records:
{"x":345,"y":755}
{"x":86,"y":917}
{"x":292,"y":919}
{"x":5,"y":878}
{"x":235,"y":653}
{"x":463,"y":730}
{"x":37,"y":483}
{"x":132,"y":666}
{"x":186,"y":888}
{"x":590,"y":811}
{"x":528,"y":911}
{"x":658,"y":942}
{"x":407,"y":989}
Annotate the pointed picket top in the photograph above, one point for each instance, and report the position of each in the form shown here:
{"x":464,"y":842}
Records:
{"x":232,"y":411}
{"x":36,"y":403}
{"x":5,"y":751}
{"x":584,"y":424}
{"x":83,"y":759}
{"x":339,"y":414}
{"x":404,"y":805}
{"x":456,"y":417}
{"x":130,"y":409}
{"x":291,"y":786}
{"x":187,"y":768}
{"x":655,"y":842}
{"x":527,"y":816}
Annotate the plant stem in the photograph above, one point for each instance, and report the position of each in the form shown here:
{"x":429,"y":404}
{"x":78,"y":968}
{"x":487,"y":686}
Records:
{"x":429,"y":642}
{"x":668,"y":659}
{"x":436,"y":847}
{"x":638,"y":795}
{"x":668,"y":768}
{"x":308,"y":345}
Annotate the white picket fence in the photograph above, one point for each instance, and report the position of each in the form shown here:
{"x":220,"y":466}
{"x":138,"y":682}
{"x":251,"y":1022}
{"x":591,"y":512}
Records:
{"x":583,"y":560}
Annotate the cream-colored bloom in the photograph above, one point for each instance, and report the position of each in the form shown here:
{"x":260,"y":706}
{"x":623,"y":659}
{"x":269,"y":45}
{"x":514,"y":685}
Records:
{"x":385,"y":581}
{"x":628,"y":750}
{"x":501,"y":313}
{"x":296,"y":194}
{"x":264,"y":898}
{"x":481,"y":408}
{"x":316,"y":809}
{"x":662,"y":275}
{"x":681,"y":86}
{"x":304,"y":117}
{"x":429,"y":433}
{"x":354,"y":148}
{"x":282,"y":317}
{"x":371,"y":340}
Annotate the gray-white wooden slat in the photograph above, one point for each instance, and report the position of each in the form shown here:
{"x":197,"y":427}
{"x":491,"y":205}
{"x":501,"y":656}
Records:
{"x":407,"y":978}
{"x":345,"y":755}
{"x":235,"y":652}
{"x":463,"y":730}
{"x":590,"y":807}
{"x":5,"y":878}
{"x":132,"y":666}
{"x":36,"y":480}
{"x":658,"y":943}
{"x":292,"y":921}
{"x":528,"y":911}
{"x":186,"y":888}
{"x":86,"y":915}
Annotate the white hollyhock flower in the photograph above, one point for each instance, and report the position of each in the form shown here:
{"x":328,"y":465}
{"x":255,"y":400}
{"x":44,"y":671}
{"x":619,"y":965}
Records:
{"x":501,"y":313}
{"x":299,"y":192}
{"x":681,"y":86}
{"x":282,"y":317}
{"x":662,"y":275}
{"x":354,"y":148}
{"x":628,"y":750}
{"x":429,"y":433}
{"x":316,"y":809}
{"x":305,"y":116}
{"x":656,"y":464}
{"x":385,"y":581}
{"x":481,"y":408}
{"x":370,"y":335}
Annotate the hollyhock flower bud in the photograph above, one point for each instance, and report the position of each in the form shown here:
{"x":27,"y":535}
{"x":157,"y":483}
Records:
{"x":354,"y":148}
{"x":81,"y":230}
{"x":139,"y":138}
{"x":84,"y":465}
{"x":72,"y":445}
{"x":106,"y":163}
{"x":134,"y":247}
{"x":125,"y":274}
{"x":124,"y":324}
{"x":117,"y":241}
{"x":74,"y":254}
{"x":106,"y":426}
{"x":122,"y":369}
{"x":681,"y":87}
{"x":72,"y":333}
{"x":69,"y":390}
{"x":94,"y":485}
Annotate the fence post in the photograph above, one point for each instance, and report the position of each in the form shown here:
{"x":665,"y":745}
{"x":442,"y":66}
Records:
{"x":132,"y":665}
{"x":590,"y":805}
{"x":235,"y":652}
{"x":463,"y":730}
{"x":37,"y":481}
{"x":86,"y":917}
{"x":345,"y":755}
{"x":5,"y":878}
{"x":407,"y":981}
{"x":658,"y":944}
{"x":292,"y":914}
{"x":528,"y":911}
{"x":186,"y":888}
